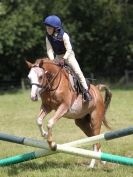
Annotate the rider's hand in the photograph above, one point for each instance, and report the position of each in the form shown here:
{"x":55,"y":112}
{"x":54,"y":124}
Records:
{"x":61,"y":62}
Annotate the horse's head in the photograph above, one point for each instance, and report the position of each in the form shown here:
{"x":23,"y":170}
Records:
{"x":36,"y":76}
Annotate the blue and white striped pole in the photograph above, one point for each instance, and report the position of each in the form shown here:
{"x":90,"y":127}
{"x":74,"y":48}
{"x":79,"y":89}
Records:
{"x":66,"y":148}
{"x":69,"y":150}
{"x":104,"y":137}
{"x":41,"y":144}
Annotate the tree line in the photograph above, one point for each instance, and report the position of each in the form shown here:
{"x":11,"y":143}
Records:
{"x":101,"y":33}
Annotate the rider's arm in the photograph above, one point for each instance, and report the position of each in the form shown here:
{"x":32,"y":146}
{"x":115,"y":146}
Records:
{"x":68,"y":45}
{"x":50,"y":51}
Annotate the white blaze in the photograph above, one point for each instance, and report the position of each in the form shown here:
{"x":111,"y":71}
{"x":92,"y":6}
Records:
{"x":34,"y":79}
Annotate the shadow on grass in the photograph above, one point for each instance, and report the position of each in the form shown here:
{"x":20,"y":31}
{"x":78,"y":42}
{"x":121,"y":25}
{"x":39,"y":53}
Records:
{"x":33,"y":166}
{"x":50,"y":165}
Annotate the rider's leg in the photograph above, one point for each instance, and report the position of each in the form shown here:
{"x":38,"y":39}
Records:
{"x":72,"y":62}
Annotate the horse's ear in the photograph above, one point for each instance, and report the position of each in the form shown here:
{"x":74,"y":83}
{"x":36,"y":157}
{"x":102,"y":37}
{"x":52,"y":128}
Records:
{"x":40,"y":63}
{"x":30,"y":65}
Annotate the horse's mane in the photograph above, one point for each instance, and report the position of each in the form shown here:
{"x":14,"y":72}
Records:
{"x":45,"y":60}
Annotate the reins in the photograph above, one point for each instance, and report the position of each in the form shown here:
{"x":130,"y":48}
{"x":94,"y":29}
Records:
{"x":48,"y":83}
{"x":48,"y":86}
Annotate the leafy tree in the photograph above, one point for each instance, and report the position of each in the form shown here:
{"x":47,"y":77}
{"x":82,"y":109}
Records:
{"x":101,"y":33}
{"x":21,"y":34}
{"x":101,"y":36}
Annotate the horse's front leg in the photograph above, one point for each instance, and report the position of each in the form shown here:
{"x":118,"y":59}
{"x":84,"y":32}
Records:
{"x":62,"y":109}
{"x":40,"y":118}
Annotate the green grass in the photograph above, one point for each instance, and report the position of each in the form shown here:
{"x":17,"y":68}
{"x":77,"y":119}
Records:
{"x":18,"y":117}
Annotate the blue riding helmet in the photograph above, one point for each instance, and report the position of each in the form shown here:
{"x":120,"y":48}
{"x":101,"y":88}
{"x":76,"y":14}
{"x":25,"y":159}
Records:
{"x":53,"y":21}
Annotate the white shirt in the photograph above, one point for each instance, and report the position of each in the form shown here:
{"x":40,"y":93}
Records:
{"x":67,"y":45}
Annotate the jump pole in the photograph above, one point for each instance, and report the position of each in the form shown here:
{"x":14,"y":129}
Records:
{"x":69,"y":150}
{"x":42,"y":144}
{"x":65,"y":148}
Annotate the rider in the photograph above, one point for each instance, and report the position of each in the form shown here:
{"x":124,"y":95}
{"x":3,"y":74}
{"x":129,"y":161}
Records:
{"x":58,"y":45}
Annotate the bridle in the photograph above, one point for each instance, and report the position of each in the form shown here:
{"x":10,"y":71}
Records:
{"x":48,"y":80}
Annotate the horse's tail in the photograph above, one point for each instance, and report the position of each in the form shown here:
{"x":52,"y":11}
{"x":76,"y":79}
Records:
{"x":107,"y":100}
{"x":108,"y":95}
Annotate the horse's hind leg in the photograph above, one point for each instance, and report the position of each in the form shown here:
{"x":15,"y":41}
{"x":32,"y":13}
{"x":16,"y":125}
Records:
{"x":97,"y":117}
{"x":90,"y":127}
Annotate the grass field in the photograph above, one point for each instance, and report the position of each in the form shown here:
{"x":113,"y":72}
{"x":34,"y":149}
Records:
{"x":18,"y":117}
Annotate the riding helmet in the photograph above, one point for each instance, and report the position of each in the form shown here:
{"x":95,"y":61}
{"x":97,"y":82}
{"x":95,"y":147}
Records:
{"x":53,"y":21}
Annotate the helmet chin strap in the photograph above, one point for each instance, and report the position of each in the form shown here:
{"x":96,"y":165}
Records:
{"x":55,"y":32}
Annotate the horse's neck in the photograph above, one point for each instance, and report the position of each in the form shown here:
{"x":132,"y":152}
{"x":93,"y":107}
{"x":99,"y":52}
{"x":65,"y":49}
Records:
{"x":54,"y":75}
{"x":51,"y":67}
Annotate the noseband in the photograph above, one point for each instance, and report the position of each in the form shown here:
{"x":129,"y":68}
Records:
{"x":49,"y":79}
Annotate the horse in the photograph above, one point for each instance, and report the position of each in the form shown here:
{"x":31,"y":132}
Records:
{"x":51,"y":83}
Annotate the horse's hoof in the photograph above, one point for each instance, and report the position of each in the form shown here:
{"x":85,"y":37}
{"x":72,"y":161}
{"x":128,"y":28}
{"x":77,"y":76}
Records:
{"x":53,"y":146}
{"x":91,"y":167}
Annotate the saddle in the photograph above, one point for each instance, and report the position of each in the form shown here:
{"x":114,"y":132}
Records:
{"x":74,"y":80}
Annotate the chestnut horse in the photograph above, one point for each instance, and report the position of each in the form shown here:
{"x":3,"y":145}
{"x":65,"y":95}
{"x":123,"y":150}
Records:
{"x":51,"y":82}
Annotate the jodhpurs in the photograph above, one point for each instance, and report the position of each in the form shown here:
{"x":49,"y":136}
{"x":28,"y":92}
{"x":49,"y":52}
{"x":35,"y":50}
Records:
{"x":72,"y":62}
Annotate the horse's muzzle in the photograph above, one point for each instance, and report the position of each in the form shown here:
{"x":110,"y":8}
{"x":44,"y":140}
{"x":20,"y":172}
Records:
{"x":34,"y":98}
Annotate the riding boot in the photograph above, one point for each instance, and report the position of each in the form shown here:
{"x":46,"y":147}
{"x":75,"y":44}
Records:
{"x":87,"y":96}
